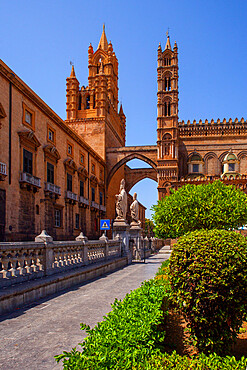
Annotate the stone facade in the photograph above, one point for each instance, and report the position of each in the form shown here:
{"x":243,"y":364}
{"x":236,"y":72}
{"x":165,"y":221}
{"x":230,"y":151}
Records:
{"x":194,"y":151}
{"x":62,"y":176}
{"x":51,"y":178}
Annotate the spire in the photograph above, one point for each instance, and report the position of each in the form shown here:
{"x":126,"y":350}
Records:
{"x":103,"y":44}
{"x":72,"y":74}
{"x":121,"y":110}
{"x":168,"y":44}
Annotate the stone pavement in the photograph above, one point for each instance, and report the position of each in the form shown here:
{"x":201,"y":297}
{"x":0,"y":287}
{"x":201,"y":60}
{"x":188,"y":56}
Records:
{"x":31,"y":336}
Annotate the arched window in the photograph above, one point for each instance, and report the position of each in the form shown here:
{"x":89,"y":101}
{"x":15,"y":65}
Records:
{"x":167,"y":61}
{"x":167,"y":109}
{"x":79,"y":102}
{"x":166,"y":145}
{"x":88,"y":102}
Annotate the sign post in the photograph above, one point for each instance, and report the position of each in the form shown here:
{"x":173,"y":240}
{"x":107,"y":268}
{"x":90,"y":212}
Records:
{"x":105,"y":225}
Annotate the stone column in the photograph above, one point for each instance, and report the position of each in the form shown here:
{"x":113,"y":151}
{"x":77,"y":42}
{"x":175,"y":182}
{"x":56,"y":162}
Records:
{"x":136,"y":235}
{"x":121,"y":229}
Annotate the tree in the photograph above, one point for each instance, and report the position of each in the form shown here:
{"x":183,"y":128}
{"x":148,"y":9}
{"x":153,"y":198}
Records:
{"x":149,"y":227}
{"x":192,"y":207}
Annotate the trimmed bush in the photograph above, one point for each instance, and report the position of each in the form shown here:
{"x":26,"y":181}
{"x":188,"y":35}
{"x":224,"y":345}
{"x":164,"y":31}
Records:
{"x":193,"y":207}
{"x":208,"y":275}
{"x":129,"y":333}
{"x":201,"y":362}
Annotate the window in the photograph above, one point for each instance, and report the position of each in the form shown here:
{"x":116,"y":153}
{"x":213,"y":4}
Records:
{"x":79,"y":102}
{"x":88,"y":102}
{"x":50,"y":173}
{"x":51,"y":135}
{"x":93,"y":194}
{"x":195,"y":167}
{"x":27,"y":162}
{"x":69,"y":182}
{"x":93,"y":168}
{"x":101,"y":175}
{"x":58,"y":218}
{"x":28,"y":117}
{"x":100,"y":198}
{"x":70,"y":149}
{"x":81,"y":189}
{"x":82,"y":158}
{"x":231,"y":167}
{"x":77,"y":220}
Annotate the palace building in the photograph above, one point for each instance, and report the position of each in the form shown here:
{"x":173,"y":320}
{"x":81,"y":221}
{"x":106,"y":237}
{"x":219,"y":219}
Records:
{"x":62,"y":175}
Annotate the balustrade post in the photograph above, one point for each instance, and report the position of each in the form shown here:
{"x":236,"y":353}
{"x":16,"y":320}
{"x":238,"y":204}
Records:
{"x":49,"y":253}
{"x":83,"y":239}
{"x":105,"y":239}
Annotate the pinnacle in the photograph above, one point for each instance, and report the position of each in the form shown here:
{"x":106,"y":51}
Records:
{"x":72,"y":74}
{"x":168,"y":44}
{"x":103,"y":44}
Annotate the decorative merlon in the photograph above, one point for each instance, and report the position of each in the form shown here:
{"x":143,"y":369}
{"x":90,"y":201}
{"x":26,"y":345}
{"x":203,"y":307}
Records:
{"x":212,"y":122}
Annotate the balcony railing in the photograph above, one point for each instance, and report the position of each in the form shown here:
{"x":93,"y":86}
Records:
{"x":52,"y":188}
{"x":102,"y":208}
{"x":94,"y":204}
{"x":30,"y":179}
{"x":83,"y":200}
{"x":70,"y":195}
{"x":3,"y":169}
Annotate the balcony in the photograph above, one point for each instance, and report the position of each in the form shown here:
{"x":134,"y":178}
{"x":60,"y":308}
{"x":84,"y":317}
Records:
{"x":94,"y":204}
{"x":83,"y":200}
{"x":52,"y":188}
{"x":26,"y":178}
{"x":102,"y":208}
{"x":70,"y":195}
{"x":3,"y":171}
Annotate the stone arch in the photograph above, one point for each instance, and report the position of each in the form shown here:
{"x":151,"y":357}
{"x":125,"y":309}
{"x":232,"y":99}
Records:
{"x":137,"y":175}
{"x":242,"y":156}
{"x":212,"y":164}
{"x":126,"y":159}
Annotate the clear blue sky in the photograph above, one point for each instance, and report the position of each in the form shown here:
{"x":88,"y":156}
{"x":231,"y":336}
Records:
{"x":39,"y":39}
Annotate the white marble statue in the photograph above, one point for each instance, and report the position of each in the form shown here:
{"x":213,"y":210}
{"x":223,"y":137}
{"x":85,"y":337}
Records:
{"x":134,"y":209}
{"x":121,"y":205}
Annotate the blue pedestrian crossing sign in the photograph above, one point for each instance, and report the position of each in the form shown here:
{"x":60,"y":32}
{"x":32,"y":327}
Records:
{"x":104,"y":224}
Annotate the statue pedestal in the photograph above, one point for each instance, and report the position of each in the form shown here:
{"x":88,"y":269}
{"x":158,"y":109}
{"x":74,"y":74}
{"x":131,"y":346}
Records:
{"x":121,"y":229}
{"x":137,"y":239}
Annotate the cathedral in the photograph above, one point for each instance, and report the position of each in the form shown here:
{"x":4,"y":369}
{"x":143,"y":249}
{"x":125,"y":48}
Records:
{"x":62,"y":175}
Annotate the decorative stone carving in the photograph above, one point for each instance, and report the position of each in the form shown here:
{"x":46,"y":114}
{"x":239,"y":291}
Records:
{"x":134,"y":210}
{"x":121,"y":205}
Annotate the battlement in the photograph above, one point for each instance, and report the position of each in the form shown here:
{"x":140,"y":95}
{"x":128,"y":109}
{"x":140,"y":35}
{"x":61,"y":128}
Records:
{"x":213,"y":128}
{"x":212,"y":122}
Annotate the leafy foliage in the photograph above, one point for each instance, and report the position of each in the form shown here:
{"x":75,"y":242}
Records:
{"x":129,"y":333}
{"x":194,"y":207}
{"x":200,"y":362}
{"x":149,"y":227}
{"x":208,"y":274}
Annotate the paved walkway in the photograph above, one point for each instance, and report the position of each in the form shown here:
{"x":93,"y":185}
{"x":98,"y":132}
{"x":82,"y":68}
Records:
{"x":30,"y":337}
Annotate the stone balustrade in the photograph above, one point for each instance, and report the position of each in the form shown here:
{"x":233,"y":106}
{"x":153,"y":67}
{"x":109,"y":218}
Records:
{"x":23,"y":261}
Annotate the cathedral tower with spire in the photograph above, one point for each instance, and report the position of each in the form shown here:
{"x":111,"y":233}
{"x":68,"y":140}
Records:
{"x":93,"y":110}
{"x":167,"y":116}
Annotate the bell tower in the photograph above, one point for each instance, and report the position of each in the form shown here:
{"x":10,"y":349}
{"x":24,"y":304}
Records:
{"x":167,"y":116}
{"x":93,"y":110}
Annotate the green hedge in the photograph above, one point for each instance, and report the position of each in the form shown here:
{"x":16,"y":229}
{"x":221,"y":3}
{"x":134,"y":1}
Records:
{"x":201,"y":362}
{"x":208,"y":275}
{"x":129,"y":334}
